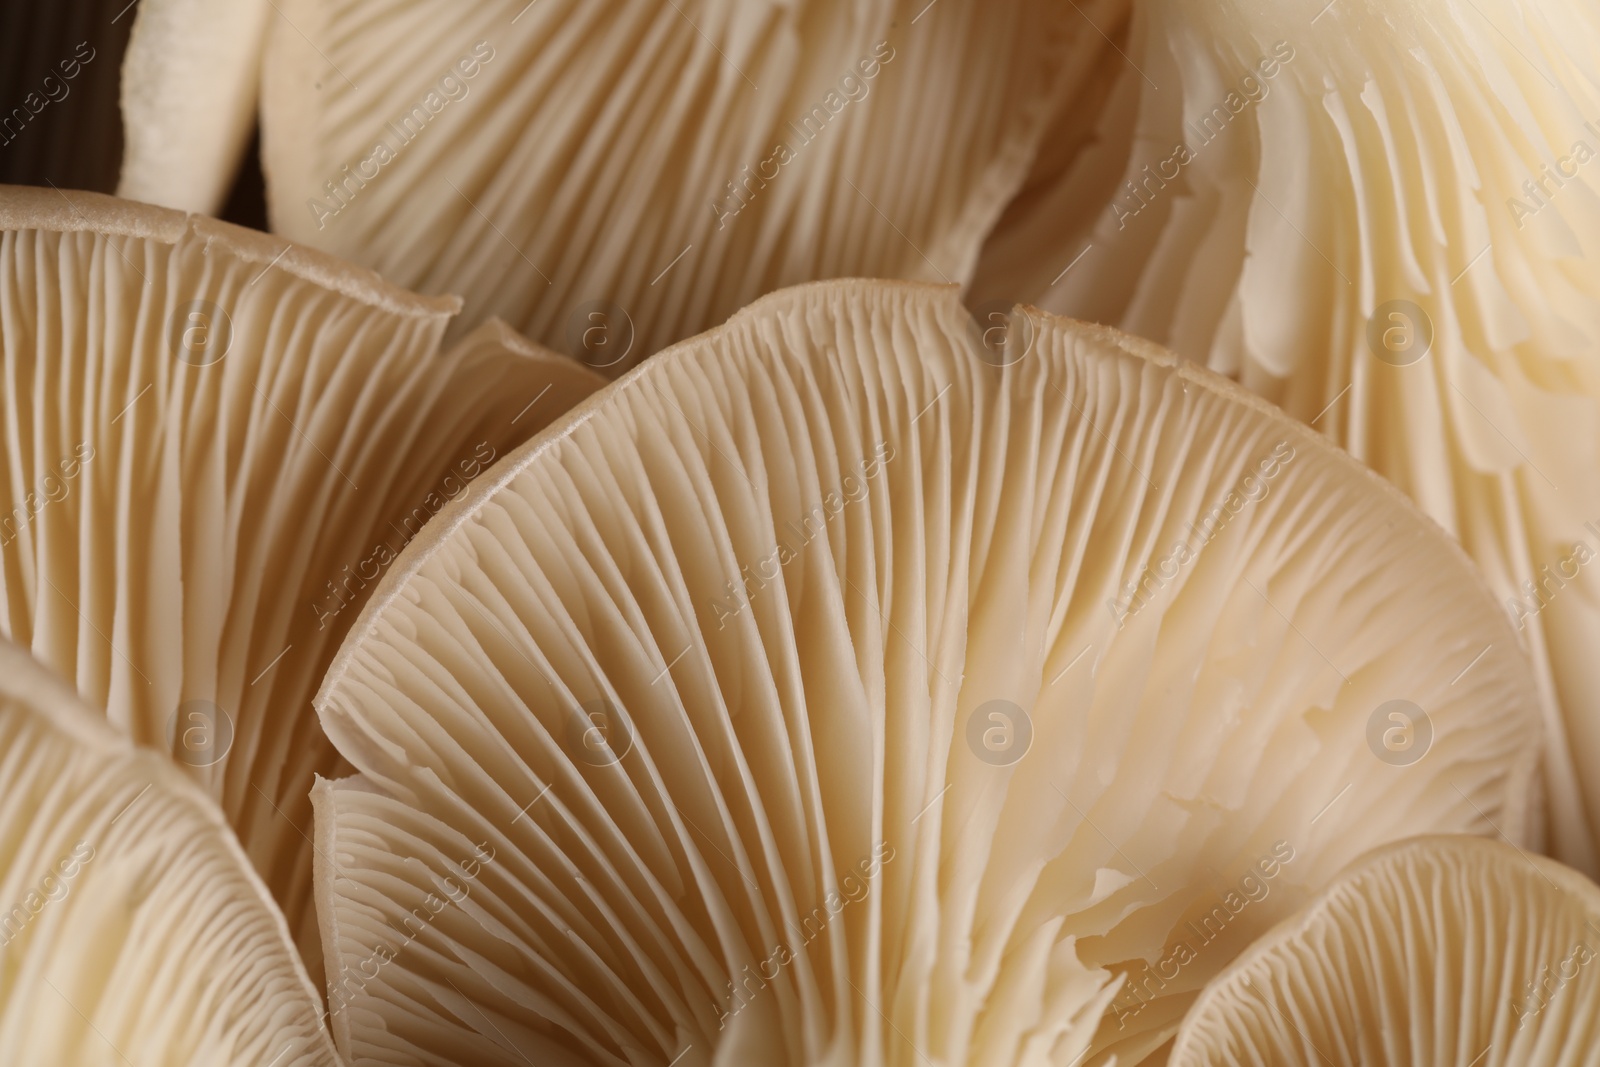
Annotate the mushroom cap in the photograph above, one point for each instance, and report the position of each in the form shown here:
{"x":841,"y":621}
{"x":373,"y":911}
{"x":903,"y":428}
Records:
{"x":214,"y":442}
{"x":136,"y":929}
{"x":1386,"y":219}
{"x":659,"y":164}
{"x":796,"y":685}
{"x":1448,"y":950}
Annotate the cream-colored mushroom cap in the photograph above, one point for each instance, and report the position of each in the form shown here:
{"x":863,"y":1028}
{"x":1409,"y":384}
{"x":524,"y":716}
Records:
{"x":854,"y":684}
{"x":1446,"y":951}
{"x":135,"y":930}
{"x":610,"y":176}
{"x":214,"y":443}
{"x":1385,"y":218}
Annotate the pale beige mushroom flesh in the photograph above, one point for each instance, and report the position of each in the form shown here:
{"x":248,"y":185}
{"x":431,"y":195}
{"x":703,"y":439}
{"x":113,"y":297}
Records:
{"x":1447,"y":951}
{"x":135,"y":930}
{"x":214,"y":443}
{"x":1386,"y":219}
{"x":611,"y":176}
{"x":840,"y":688}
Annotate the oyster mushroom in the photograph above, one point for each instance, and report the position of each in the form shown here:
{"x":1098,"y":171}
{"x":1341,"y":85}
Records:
{"x":135,"y":930}
{"x":1450,"y":950}
{"x":852,"y":684}
{"x":214,"y":443}
{"x":655,"y":164}
{"x":1385,"y":219}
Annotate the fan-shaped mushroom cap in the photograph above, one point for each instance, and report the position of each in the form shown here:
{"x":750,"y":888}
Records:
{"x":1386,"y":218}
{"x":1451,"y":951}
{"x":656,"y":164}
{"x":827,"y":693}
{"x":213,"y":444}
{"x":135,"y":930}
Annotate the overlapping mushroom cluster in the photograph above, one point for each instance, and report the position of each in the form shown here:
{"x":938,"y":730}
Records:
{"x":681,"y":649}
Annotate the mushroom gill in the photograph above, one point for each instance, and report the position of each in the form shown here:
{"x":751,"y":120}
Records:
{"x":640,"y":168}
{"x":1451,"y":951}
{"x":214,"y":444}
{"x":855,"y":684}
{"x":135,"y":930}
{"x":1384,"y":218}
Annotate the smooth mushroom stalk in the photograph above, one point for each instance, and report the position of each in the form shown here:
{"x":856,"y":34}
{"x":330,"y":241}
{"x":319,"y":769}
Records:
{"x":214,"y":444}
{"x":191,"y":83}
{"x":135,"y":930}
{"x":1385,"y":219}
{"x":840,"y":688}
{"x":1452,"y":951}
{"x":613,"y":176}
